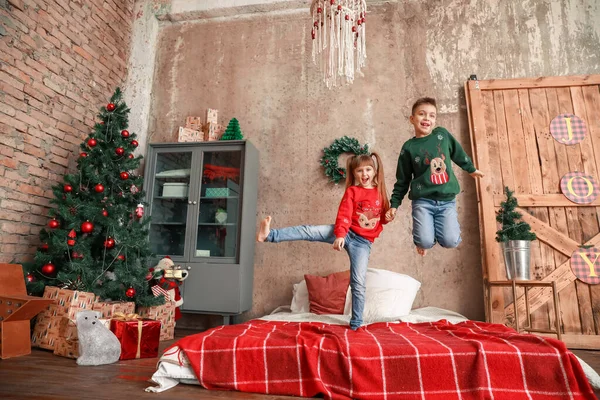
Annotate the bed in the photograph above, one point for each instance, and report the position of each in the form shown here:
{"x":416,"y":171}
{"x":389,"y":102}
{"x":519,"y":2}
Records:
{"x":431,"y":353}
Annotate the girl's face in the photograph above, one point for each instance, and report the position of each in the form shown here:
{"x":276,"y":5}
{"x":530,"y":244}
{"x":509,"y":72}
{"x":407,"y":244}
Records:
{"x":364,"y":176}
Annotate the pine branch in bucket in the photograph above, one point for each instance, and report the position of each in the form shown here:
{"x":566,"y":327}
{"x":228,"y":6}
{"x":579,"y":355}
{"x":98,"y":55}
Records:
{"x":513,"y":228}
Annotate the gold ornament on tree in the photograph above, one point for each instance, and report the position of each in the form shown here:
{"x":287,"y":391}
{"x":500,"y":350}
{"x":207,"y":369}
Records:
{"x":338,"y":39}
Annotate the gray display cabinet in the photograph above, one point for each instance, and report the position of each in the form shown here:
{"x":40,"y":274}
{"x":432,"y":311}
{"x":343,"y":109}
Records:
{"x":202,"y":202}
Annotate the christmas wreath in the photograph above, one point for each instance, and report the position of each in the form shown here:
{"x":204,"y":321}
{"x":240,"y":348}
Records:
{"x":329,"y":161}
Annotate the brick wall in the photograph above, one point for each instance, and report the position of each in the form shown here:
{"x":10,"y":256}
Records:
{"x":60,"y":61}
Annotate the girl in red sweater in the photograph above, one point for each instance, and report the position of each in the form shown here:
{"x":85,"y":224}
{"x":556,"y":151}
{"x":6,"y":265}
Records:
{"x":359,"y":222}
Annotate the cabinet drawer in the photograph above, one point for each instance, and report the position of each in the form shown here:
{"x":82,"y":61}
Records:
{"x":213,"y":288}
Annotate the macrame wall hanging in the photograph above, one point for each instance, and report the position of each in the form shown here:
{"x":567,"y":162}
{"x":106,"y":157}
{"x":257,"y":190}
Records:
{"x":338,"y":39}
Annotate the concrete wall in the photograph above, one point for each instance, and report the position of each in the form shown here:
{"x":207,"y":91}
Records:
{"x":257,"y":67}
{"x":61,"y":61}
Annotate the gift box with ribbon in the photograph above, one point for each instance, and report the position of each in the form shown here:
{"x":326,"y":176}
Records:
{"x":109,"y":308}
{"x":164,"y":313}
{"x":67,"y":303}
{"x":139,"y":336}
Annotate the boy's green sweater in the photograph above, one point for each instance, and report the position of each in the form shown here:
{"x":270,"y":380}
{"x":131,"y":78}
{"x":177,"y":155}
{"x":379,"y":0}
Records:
{"x":425,"y":167}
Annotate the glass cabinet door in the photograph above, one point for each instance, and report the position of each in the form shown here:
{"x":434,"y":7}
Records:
{"x":219,"y":211}
{"x":170,"y":203}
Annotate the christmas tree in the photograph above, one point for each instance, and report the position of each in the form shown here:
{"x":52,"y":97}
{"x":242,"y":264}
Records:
{"x":513,"y":228}
{"x":97,"y":238}
{"x":233,"y":131}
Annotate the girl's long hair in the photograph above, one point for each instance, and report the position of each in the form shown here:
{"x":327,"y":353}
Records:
{"x":379,"y":180}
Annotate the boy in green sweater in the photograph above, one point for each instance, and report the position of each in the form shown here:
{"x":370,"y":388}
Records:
{"x":425,"y":167}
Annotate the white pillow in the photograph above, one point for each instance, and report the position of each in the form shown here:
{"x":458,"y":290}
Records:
{"x":389,"y":295}
{"x":300,"y":303}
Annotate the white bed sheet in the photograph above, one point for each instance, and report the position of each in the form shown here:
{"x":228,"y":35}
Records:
{"x":174,"y":368}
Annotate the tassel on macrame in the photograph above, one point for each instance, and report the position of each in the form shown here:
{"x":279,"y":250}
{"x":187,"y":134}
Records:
{"x":338,"y":39}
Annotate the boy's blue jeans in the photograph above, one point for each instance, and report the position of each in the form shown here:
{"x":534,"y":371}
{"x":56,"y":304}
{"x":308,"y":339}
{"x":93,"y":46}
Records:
{"x":435,"y":221}
{"x":357,"y":247}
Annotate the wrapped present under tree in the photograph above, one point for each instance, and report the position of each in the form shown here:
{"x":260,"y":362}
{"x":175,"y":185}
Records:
{"x":66,"y":303}
{"x":139,"y":337}
{"x":165,"y":314}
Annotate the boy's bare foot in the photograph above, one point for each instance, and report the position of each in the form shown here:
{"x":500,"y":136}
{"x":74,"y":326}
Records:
{"x":263,"y":231}
{"x":421,"y":251}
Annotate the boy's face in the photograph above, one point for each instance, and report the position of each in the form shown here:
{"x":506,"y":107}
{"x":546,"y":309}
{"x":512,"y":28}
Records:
{"x":423,"y":119}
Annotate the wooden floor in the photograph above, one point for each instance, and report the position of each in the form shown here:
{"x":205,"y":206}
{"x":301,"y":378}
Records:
{"x":42,"y":375}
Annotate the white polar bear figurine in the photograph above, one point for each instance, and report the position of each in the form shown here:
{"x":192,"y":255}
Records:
{"x":97,"y":344}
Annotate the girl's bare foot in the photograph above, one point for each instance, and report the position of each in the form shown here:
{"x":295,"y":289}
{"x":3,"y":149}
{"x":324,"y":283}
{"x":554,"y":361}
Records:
{"x":421,"y":251}
{"x":264,"y":229}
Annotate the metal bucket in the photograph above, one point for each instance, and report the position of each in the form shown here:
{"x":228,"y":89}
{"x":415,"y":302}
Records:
{"x":516,"y":259}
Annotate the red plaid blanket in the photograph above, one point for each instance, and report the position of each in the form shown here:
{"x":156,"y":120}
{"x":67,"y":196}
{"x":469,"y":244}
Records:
{"x":469,"y":360}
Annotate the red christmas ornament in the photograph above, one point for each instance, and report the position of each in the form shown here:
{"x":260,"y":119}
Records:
{"x":83,"y":154}
{"x":110,"y":107}
{"x":30,"y":278}
{"x":48,"y":269}
{"x":53,"y":224}
{"x":130,"y":292}
{"x":139,"y":210}
{"x":109,"y":243}
{"x":72,"y":234}
{"x":44,"y":247}
{"x":71,"y":242}
{"x":99,"y":188}
{"x":87,"y":227}
{"x":68,"y":188}
{"x":120,"y":151}
{"x":125,"y":133}
{"x":130,"y":156}
{"x":104,"y":213}
{"x":92,"y":142}
{"x":134,"y":143}
{"x":124,"y":175}
{"x":77,"y":255}
{"x":121,"y":257}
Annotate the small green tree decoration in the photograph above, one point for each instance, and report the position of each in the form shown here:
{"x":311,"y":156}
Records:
{"x":513,"y":228}
{"x":233,"y":131}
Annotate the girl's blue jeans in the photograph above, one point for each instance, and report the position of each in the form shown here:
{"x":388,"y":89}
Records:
{"x":435,"y":221}
{"x":357,"y":247}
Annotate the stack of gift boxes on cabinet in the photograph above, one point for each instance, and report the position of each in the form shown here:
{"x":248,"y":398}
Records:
{"x":196,"y":131}
{"x":55,"y":328}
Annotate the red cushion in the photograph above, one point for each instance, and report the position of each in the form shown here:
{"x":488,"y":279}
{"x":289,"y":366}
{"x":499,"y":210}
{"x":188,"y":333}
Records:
{"x":327,"y":294}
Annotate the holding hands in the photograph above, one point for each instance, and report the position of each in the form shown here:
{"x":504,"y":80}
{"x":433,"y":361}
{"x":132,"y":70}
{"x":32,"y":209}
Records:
{"x":390,"y":214}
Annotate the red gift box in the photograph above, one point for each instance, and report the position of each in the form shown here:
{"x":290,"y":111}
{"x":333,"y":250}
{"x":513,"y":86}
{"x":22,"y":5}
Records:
{"x":139,"y":337}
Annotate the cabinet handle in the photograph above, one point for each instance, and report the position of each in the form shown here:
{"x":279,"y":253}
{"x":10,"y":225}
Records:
{"x":189,"y":202}
{"x":194,"y":202}
{"x":189,"y":268}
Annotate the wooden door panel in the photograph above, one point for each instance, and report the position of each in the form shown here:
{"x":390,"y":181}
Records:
{"x":509,"y":122}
